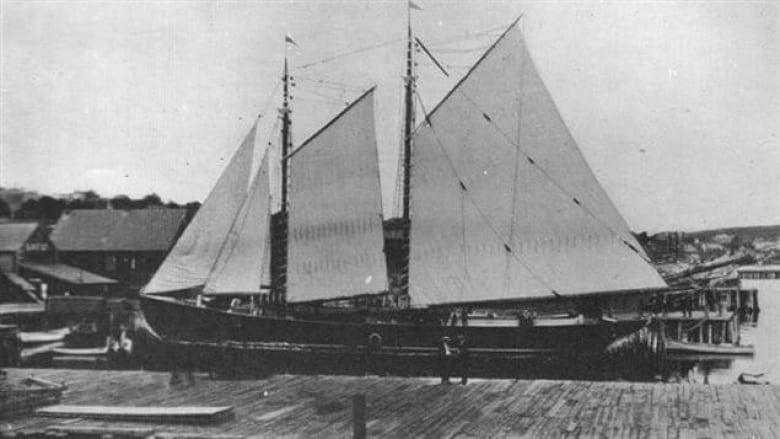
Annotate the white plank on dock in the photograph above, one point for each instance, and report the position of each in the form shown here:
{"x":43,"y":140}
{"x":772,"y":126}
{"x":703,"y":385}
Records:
{"x":145,"y":414}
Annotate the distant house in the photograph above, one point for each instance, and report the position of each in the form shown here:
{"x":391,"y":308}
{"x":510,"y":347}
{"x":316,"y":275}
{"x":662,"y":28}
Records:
{"x":123,"y":245}
{"x":13,"y":239}
{"x":764,"y":278}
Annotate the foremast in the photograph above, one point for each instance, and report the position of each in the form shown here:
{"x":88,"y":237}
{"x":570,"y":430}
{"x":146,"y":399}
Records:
{"x":280,"y":220}
{"x":406,"y":163}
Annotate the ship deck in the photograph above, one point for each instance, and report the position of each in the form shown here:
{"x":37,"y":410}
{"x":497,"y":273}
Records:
{"x":321,"y":406}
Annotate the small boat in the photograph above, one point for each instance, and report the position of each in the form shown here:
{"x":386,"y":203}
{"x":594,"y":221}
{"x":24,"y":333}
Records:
{"x":40,"y":337}
{"x":41,"y":349}
{"x":85,"y":352}
{"x":677,"y":348}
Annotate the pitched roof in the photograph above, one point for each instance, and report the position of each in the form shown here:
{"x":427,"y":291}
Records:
{"x":761,"y":268}
{"x":19,"y":281}
{"x":14,"y":235}
{"x":67,"y":273}
{"x":117,"y":230}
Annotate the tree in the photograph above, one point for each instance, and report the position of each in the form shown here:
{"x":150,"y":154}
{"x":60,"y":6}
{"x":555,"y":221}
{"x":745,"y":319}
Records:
{"x":28,"y":210}
{"x":5,"y":211}
{"x":122,"y":202}
{"x":151,"y":200}
{"x":91,"y":196}
{"x":192,"y":208}
{"x":50,"y":208}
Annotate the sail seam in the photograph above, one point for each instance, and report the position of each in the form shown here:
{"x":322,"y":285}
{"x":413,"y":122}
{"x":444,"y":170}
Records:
{"x":346,"y":54}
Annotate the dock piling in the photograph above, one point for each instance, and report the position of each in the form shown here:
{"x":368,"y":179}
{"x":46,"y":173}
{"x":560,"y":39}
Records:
{"x":359,"y":416}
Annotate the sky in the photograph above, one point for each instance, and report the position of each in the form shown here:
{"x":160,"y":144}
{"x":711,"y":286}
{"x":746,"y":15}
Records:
{"x":675,"y":105}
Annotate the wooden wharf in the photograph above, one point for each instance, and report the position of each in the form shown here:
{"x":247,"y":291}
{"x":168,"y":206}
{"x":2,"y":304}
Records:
{"x":701,"y":327}
{"x":322,"y":406}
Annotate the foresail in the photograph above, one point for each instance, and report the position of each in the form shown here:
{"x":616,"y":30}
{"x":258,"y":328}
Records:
{"x":190,"y":261}
{"x":244,"y":261}
{"x":336,"y":238}
{"x":504,"y":206}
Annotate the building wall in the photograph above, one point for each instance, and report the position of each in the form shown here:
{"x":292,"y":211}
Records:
{"x":38,"y":248}
{"x":764,"y":279}
{"x":764,"y":286}
{"x":132,"y":269}
{"x":8,"y":261}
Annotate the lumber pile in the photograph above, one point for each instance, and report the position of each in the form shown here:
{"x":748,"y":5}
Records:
{"x":29,"y":394}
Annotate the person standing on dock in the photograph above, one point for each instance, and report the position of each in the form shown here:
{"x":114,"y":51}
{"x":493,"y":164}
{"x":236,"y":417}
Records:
{"x":445,"y":358}
{"x":688,"y":304}
{"x":463,"y":360}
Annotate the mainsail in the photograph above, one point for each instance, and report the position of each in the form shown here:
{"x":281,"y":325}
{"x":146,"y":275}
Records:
{"x":192,"y":258}
{"x":336,"y":237}
{"x":504,"y":206}
{"x":243,"y":264}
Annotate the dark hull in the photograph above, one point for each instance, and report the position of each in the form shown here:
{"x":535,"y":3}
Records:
{"x":174,"y":320}
{"x":184,"y":336}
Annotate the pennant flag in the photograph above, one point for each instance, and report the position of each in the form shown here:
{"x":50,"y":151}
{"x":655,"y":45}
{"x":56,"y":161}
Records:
{"x":288,"y":39}
{"x":413,"y":5}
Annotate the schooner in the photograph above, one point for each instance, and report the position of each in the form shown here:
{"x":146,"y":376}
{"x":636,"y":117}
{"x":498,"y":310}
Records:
{"x":499,"y":207}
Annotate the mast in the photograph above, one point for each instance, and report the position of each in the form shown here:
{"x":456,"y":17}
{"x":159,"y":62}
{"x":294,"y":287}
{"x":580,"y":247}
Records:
{"x":279,"y":224}
{"x":285,"y":112}
{"x":409,"y":111}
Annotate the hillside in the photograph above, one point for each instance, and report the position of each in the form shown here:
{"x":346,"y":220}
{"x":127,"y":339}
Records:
{"x":744,"y":234}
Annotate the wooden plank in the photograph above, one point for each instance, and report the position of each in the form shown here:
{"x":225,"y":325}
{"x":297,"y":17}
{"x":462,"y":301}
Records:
{"x":91,"y":430}
{"x":145,"y":414}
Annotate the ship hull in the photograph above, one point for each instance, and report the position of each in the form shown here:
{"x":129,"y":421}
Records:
{"x":185,"y":336}
{"x":174,"y":320}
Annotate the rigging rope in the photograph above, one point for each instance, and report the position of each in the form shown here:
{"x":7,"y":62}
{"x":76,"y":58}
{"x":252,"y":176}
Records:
{"x":323,"y":101}
{"x":467,"y":50}
{"x":346,"y":54}
{"x":478,"y":34}
{"x":264,"y":108}
{"x":333,"y":83}
{"x":329,"y":97}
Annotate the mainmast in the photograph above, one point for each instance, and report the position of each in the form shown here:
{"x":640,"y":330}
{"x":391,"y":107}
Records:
{"x":279,"y":223}
{"x":409,"y":111}
{"x":286,"y":137}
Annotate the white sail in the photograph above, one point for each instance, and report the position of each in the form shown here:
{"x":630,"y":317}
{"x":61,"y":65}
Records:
{"x":192,"y":258}
{"x":504,"y":206}
{"x":243,"y":264}
{"x":335,"y":223}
